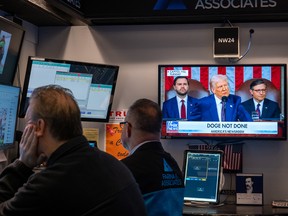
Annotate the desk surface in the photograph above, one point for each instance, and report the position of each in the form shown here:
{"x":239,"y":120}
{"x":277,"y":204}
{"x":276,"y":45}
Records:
{"x":229,"y":209}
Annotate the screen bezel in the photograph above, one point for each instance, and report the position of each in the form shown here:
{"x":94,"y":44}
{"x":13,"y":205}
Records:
{"x":14,"y":50}
{"x":25,"y":100}
{"x":162,"y":92}
{"x":219,"y":153}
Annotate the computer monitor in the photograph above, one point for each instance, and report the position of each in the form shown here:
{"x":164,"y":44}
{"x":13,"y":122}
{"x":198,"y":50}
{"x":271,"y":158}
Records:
{"x":92,"y":84}
{"x":11,"y":40}
{"x":202,"y":176}
{"x":9,"y":100}
{"x":272,"y":125}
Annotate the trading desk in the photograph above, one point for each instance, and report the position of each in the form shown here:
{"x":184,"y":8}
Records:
{"x":230,"y":209}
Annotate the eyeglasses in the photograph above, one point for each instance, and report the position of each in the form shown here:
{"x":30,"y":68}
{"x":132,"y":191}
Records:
{"x":122,"y":124}
{"x":260,"y":90}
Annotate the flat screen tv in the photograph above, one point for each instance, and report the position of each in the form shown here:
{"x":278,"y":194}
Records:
{"x":239,"y":80}
{"x":92,"y":84}
{"x":9,"y":101}
{"x":11,"y":39}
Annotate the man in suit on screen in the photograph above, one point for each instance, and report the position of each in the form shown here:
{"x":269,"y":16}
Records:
{"x":221,"y":105}
{"x":266,"y":109}
{"x":182,"y":106}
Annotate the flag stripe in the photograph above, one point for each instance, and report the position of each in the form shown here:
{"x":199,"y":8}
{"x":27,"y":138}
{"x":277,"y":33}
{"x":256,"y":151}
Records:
{"x":237,"y":75}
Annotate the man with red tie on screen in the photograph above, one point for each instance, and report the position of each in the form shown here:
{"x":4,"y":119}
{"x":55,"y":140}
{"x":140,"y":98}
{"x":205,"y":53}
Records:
{"x":182,"y":106}
{"x":221,"y":105}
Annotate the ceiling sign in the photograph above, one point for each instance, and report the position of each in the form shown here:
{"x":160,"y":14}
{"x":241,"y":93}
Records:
{"x":179,"y":11}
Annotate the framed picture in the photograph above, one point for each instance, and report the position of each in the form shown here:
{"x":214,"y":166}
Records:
{"x":249,"y":189}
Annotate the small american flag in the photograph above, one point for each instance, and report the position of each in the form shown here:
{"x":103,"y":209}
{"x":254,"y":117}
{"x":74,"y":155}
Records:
{"x":232,"y":157}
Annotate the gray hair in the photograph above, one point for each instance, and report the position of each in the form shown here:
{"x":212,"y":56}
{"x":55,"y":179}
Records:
{"x":216,"y":78}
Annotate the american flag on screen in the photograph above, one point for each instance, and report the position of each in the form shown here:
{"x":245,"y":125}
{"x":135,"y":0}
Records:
{"x":237,"y":75}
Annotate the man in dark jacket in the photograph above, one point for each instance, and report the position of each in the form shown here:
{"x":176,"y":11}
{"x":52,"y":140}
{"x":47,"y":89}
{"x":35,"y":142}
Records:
{"x":182,"y":106}
{"x":266,"y":109}
{"x":78,"y":180}
{"x":221,"y":105}
{"x":155,"y":170}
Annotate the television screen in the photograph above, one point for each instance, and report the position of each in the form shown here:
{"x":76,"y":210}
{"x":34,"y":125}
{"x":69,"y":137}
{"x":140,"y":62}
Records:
{"x":92,"y":84}
{"x":202,"y":176}
{"x":9,"y":100}
{"x":11,"y":39}
{"x":243,"y":119}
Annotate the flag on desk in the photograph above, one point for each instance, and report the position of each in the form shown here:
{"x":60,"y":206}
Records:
{"x":237,"y":75}
{"x":232,"y":160}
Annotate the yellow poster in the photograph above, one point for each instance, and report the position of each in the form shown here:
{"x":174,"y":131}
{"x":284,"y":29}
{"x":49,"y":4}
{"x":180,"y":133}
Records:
{"x":91,"y":134}
{"x":113,"y":143}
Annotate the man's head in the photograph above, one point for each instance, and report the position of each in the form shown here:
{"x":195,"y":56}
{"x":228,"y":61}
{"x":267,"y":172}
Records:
{"x":258,"y":90}
{"x":219,"y":85}
{"x":143,"y":122}
{"x":181,"y":85}
{"x":249,"y":184}
{"x":56,"y":109}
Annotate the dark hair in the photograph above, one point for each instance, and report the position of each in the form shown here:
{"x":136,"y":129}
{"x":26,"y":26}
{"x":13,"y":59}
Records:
{"x":58,"y":108}
{"x":146,"y":115}
{"x":257,"y":82}
{"x":180,"y":77}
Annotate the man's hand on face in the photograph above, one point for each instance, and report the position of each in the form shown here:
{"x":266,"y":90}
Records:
{"x":29,"y":148}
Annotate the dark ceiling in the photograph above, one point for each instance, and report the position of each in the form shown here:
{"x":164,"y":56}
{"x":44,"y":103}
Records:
{"x":60,"y":13}
{"x":40,"y":13}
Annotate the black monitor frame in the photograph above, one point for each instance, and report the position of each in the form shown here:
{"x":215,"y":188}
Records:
{"x":194,"y":72}
{"x":92,"y":84}
{"x":14,"y":34}
{"x":203,"y":173}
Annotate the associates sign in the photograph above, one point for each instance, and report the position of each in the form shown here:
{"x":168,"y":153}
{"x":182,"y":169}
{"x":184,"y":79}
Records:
{"x":179,"y":11}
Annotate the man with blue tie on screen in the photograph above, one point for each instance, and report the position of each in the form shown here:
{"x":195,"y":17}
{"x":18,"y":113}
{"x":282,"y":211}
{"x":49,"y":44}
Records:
{"x":221,"y":105}
{"x":266,"y":109}
{"x":182,"y":106}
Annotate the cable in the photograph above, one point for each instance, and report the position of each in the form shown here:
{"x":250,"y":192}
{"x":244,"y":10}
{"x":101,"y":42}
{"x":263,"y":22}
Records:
{"x":19,"y":78}
{"x":251,"y":31}
{"x":227,"y":21}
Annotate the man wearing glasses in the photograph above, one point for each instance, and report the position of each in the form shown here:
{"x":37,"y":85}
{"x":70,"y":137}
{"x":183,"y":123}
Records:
{"x":221,"y":105}
{"x":155,"y":170}
{"x":266,"y":109}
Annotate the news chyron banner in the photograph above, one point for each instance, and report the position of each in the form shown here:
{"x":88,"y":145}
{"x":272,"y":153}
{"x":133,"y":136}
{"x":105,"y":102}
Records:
{"x":192,"y":127}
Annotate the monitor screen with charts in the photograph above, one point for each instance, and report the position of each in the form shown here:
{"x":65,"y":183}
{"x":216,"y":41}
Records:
{"x":202,"y":173}
{"x":9,"y":99}
{"x":92,"y":84}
